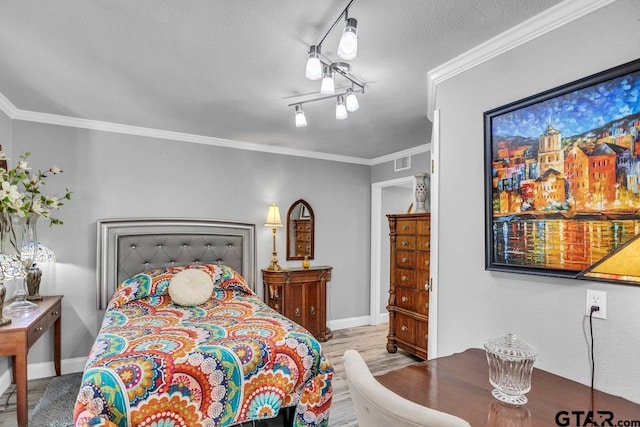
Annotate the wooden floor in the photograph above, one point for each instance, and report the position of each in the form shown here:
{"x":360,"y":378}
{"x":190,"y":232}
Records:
{"x":370,"y":341}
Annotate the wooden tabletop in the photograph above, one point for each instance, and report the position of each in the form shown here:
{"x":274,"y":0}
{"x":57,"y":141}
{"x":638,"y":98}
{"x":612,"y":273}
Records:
{"x":459,"y":384}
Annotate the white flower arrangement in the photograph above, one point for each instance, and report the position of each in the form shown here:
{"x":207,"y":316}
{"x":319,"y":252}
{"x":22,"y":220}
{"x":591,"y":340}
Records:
{"x":20,"y":191}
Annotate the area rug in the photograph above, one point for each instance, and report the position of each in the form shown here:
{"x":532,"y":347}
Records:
{"x":55,"y":407}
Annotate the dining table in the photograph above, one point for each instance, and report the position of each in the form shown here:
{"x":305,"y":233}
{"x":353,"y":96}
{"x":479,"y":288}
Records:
{"x":459,"y":384}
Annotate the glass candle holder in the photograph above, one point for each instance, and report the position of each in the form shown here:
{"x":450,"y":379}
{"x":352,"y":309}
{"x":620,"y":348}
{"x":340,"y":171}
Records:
{"x":510,"y":366}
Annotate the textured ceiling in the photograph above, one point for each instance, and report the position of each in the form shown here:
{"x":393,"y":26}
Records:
{"x":228,"y":69}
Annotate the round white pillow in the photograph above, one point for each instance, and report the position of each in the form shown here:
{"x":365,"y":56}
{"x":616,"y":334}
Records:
{"x":191,"y":287}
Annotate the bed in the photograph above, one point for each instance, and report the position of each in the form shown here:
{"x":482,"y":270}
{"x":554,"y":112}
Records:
{"x":229,"y":360}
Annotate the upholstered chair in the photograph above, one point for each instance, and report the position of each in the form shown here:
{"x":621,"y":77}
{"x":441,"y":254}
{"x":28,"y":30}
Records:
{"x":377,"y":406}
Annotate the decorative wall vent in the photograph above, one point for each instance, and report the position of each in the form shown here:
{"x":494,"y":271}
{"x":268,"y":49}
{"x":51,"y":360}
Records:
{"x":402,"y":164}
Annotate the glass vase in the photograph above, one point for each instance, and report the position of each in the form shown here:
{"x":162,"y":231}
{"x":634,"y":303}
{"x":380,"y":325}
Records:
{"x":16,"y":234}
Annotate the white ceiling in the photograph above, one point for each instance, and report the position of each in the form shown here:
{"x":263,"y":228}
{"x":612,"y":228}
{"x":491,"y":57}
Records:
{"x":229,"y":68}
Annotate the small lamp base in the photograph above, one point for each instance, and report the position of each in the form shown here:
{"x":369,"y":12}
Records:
{"x":34,"y":276}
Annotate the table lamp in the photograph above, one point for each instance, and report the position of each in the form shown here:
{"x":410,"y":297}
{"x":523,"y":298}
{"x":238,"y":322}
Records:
{"x":34,"y":274}
{"x":9,"y":268}
{"x":273,"y":221}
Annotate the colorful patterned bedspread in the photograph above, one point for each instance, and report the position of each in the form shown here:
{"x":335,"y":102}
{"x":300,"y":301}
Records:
{"x":227,"y":361}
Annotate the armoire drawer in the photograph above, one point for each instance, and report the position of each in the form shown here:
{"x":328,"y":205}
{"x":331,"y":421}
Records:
{"x":406,"y":243}
{"x":405,"y":277}
{"x":405,"y":259}
{"x":406,"y":226}
{"x":405,"y":328}
{"x":405,"y":298}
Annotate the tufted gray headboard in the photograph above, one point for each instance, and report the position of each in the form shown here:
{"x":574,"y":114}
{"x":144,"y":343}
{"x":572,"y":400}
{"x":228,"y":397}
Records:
{"x":129,"y":246}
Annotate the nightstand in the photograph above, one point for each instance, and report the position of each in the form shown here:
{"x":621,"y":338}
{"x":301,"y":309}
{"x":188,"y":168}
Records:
{"x":301,"y":295}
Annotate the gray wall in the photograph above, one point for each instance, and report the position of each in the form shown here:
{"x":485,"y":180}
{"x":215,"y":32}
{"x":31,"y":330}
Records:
{"x":113,"y":176}
{"x":419,"y":164}
{"x":474,"y":304}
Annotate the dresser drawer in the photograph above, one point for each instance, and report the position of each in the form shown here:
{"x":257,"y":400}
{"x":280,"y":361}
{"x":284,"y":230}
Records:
{"x":54,"y":314}
{"x":405,"y":278}
{"x":303,"y":248}
{"x":305,"y":226}
{"x":406,"y":242}
{"x":421,"y":302}
{"x":406,"y":226}
{"x":405,"y":328}
{"x":303,"y":237}
{"x":424,"y":243}
{"x":422,"y":280}
{"x":405,"y":298}
{"x":405,"y":259}
{"x":423,"y":227}
{"x":422,"y":334}
{"x":424,"y":261}
{"x":36,"y":330}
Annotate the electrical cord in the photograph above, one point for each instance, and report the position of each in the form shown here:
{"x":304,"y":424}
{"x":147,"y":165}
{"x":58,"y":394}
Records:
{"x":594,"y":308}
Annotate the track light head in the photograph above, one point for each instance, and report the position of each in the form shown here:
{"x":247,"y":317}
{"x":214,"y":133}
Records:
{"x":328,"y":86}
{"x":314,"y":66}
{"x":348,"y":47}
{"x":341,"y":109}
{"x":351,"y":101}
{"x":301,"y":119}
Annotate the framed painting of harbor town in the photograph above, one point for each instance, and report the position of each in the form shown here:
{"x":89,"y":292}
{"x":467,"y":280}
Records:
{"x":562,"y":172}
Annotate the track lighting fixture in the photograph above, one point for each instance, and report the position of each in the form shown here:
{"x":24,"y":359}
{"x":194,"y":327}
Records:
{"x":317,"y":69}
{"x":301,"y":119}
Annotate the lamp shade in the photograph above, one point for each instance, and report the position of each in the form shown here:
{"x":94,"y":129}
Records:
{"x":348,"y":46}
{"x":273,"y":217}
{"x":43,"y":253}
{"x":11,"y":268}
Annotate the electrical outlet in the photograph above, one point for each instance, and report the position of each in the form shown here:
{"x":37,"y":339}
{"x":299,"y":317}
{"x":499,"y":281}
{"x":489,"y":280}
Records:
{"x":599,"y":299}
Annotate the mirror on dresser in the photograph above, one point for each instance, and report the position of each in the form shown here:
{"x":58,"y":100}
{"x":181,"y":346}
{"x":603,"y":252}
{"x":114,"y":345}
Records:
{"x":300,"y":230}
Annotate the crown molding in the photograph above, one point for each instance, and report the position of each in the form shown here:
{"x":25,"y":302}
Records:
{"x":7,"y":106}
{"x":54,"y":119}
{"x":75,"y":122}
{"x":544,"y":22}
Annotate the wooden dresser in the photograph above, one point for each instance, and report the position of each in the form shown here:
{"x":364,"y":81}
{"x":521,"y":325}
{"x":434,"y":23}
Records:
{"x":301,"y":295}
{"x":17,"y":338}
{"x":303,"y":236}
{"x":410,"y":236}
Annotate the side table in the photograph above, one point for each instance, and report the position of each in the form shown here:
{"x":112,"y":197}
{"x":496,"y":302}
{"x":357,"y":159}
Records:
{"x":301,"y":295}
{"x":17,"y":338}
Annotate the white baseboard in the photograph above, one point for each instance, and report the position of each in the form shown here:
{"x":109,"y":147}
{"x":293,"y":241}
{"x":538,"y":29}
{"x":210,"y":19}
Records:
{"x":45,"y":369}
{"x":350,"y":322}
